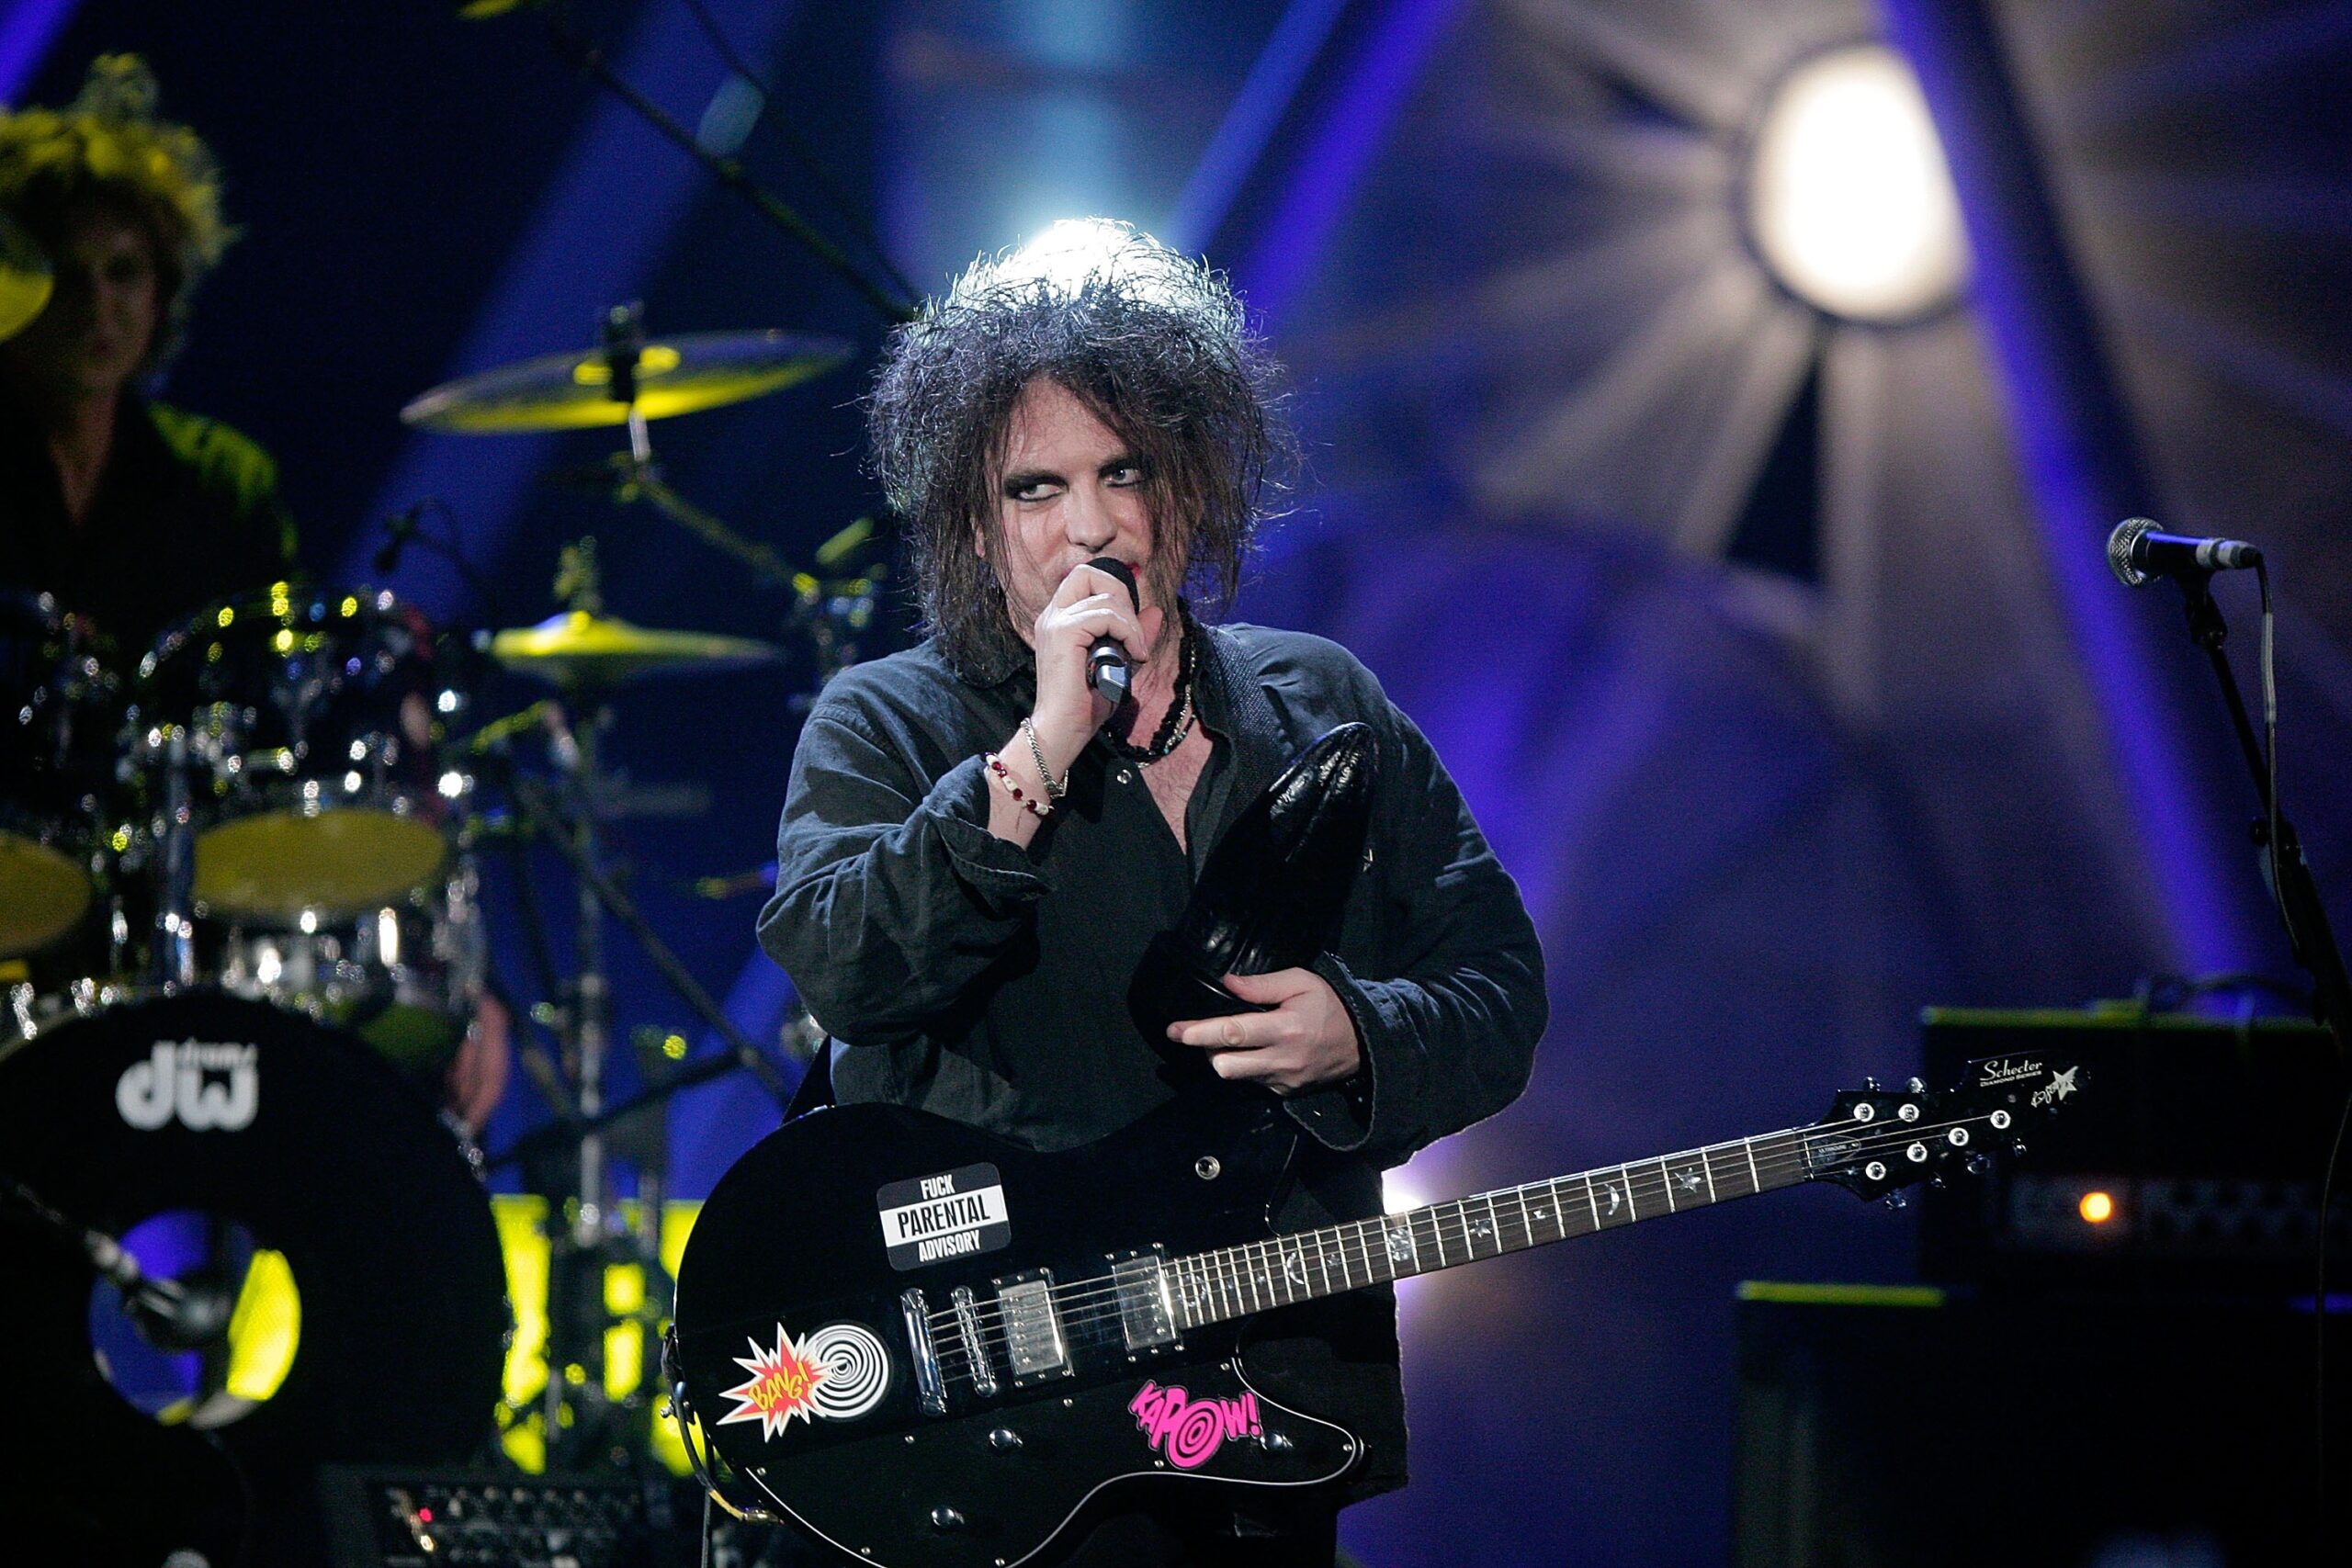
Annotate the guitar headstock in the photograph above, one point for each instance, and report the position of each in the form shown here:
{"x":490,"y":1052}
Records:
{"x":1876,"y":1141}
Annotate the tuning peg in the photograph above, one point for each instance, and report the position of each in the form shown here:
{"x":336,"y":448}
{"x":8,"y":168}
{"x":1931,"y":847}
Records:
{"x":1917,"y":1085}
{"x":1871,"y":1084}
{"x":1980,"y":1164}
{"x":2017,"y":1147}
{"x":1937,"y":1182}
{"x":1898,"y":1199}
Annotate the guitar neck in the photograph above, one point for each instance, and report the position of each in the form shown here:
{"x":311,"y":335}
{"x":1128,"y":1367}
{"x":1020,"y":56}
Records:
{"x":1234,"y":1281}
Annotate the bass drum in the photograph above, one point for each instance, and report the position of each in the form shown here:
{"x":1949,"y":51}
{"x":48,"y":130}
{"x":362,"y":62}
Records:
{"x":383,"y":1306}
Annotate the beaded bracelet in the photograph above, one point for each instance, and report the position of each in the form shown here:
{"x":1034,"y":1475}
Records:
{"x":1038,"y":810}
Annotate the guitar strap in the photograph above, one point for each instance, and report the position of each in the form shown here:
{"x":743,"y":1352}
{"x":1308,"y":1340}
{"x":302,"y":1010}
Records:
{"x":815,"y":1090}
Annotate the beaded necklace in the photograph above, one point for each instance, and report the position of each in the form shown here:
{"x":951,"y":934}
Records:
{"x":1178,"y":721}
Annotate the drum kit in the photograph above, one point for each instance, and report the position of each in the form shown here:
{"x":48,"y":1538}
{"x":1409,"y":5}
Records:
{"x":242,"y":942}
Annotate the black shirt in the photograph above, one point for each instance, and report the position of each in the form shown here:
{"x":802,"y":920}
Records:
{"x":964,"y":975}
{"x":186,"y":513}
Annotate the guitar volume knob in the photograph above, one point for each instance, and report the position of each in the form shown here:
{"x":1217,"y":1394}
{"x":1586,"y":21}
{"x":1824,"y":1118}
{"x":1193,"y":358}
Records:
{"x":945,"y":1518}
{"x":1004,"y":1440}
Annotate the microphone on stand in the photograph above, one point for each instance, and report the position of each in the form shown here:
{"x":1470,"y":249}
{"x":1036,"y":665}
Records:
{"x":399,"y":529}
{"x":2139,"y":554}
{"x":1107,"y":670}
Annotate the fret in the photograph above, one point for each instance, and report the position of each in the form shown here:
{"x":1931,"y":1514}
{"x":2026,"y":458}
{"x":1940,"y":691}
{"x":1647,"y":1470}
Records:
{"x":1228,"y":1286}
{"x":1591,"y":1202}
{"x":1493,"y":1226}
{"x":1526,"y":1224}
{"x":1340,"y":1240}
{"x":1706,"y":1168}
{"x":1253,"y":1270}
{"x":1748,"y":1146}
{"x":1666,"y":1183}
{"x":1437,"y":1232}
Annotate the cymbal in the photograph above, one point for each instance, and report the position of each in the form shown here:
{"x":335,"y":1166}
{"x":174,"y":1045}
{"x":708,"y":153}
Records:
{"x":674,"y":376}
{"x":578,"y":648}
{"x":25,"y":280}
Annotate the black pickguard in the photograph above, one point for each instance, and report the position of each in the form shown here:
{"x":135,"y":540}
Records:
{"x":791,"y":1245}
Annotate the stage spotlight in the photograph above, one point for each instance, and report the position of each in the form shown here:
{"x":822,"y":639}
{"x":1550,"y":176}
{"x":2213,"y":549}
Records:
{"x":1846,"y":197}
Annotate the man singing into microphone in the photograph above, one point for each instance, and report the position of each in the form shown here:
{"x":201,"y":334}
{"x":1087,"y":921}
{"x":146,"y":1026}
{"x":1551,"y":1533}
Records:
{"x":978,"y":849}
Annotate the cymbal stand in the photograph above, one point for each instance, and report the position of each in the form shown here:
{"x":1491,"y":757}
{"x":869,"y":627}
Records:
{"x":578,"y":1223}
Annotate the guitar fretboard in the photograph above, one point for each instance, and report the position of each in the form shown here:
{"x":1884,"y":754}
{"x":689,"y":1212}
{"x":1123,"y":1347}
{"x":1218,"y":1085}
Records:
{"x":1234,"y":1281}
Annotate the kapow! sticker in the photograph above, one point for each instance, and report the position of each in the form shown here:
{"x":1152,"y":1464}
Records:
{"x":1188,"y":1430}
{"x":956,"y":1213}
{"x":839,"y":1372}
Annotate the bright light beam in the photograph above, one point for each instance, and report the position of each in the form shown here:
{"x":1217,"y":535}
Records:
{"x":1848,"y":196}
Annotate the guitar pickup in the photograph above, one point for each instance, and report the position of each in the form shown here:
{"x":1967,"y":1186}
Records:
{"x":1033,"y":1331}
{"x":1147,"y":1316}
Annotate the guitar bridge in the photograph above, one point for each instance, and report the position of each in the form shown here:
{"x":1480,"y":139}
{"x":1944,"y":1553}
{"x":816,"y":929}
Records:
{"x":931,"y":1390}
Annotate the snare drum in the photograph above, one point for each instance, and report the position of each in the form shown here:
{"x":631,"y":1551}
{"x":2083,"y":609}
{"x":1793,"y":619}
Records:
{"x":309,"y":719}
{"x":60,"y":716}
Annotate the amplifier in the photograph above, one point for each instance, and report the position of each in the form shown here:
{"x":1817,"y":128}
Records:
{"x":393,"y":1516}
{"x":2192,"y":1160}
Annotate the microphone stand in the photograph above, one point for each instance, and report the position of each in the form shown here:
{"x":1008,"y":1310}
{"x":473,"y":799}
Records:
{"x":588,"y":57}
{"x":2308,"y":936}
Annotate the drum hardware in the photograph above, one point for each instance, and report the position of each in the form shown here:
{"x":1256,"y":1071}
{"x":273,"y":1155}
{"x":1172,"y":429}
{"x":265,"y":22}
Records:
{"x":584,"y":54}
{"x":587,"y":653}
{"x":171,"y":1314}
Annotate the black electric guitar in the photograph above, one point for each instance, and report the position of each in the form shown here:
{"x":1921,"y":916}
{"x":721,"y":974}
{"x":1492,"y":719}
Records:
{"x":931,"y":1348}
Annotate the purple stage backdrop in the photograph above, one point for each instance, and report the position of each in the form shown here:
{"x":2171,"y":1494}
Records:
{"x":1774,"y":653}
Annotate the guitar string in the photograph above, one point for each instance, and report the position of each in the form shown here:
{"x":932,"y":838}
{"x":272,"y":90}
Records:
{"x":1248,"y":1279}
{"x":1639,"y":1188}
{"x":1077,"y":1290}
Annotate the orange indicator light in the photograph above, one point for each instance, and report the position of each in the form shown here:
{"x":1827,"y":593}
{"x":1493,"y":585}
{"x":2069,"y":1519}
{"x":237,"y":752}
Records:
{"x":2097,"y":1207}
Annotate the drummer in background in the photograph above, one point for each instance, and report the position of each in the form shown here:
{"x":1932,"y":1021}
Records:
{"x":133,"y":513}
{"x":136,"y":514}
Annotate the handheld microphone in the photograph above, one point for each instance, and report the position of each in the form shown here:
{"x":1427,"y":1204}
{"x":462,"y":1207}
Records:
{"x":2139,"y":554}
{"x":1107,"y":670}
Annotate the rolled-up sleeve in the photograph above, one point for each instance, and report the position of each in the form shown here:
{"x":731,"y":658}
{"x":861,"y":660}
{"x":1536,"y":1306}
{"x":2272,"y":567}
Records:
{"x":891,"y":894}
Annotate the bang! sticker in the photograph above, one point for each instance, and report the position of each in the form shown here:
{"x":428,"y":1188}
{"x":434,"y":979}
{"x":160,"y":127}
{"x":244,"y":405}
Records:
{"x":839,"y":1372}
